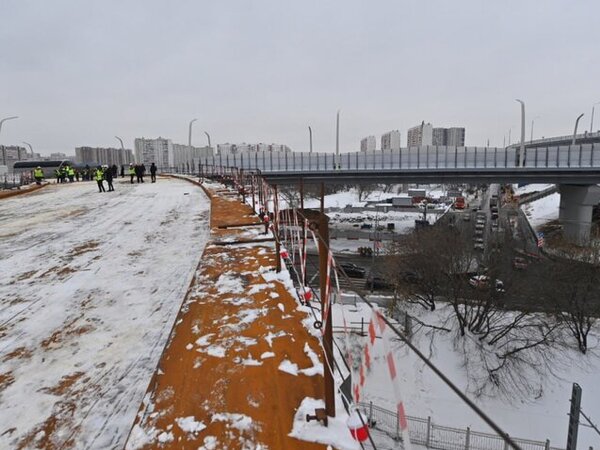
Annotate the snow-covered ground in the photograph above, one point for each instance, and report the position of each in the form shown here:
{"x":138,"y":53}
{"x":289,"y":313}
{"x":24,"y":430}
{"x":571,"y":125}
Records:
{"x":544,"y":417}
{"x":542,"y":211}
{"x":90,"y":285}
{"x":527,"y":188}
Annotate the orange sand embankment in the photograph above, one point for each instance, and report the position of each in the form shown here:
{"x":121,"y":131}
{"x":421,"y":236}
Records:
{"x":221,"y":364}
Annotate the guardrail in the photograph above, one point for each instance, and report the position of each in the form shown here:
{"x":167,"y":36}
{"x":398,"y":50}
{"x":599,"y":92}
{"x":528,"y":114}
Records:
{"x":425,"y":432}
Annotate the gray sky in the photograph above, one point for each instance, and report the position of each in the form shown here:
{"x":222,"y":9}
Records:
{"x":80,"y":72}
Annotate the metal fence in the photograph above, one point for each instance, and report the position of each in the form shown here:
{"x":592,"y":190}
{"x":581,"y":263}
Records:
{"x":14,"y":180}
{"x":425,"y":157}
{"x":425,"y":432}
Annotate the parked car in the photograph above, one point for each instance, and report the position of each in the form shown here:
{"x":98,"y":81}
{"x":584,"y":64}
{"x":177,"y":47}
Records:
{"x":466,"y":217}
{"x":479,"y":240}
{"x":479,"y":246}
{"x":483,"y":281}
{"x":377,"y":282}
{"x":366,"y":226}
{"x":480,"y":226}
{"x":519,"y":263}
{"x":495,"y":224}
{"x":352,"y":270}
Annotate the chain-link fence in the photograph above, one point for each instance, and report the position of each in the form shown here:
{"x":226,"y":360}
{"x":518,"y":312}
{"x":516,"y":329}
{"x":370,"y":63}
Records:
{"x":425,"y":432}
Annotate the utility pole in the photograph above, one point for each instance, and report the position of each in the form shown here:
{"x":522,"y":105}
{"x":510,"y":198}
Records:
{"x":574,"y":417}
{"x":30,"y":147}
{"x":310,"y":138}
{"x":328,"y":336}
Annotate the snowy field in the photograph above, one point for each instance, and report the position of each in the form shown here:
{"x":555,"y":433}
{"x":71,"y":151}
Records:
{"x":90,"y":285}
{"x":540,"y":418}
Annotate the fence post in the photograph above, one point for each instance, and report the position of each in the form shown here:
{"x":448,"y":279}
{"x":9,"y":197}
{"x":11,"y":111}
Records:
{"x":428,"y":435}
{"x":468,"y":439}
{"x":397,"y":438}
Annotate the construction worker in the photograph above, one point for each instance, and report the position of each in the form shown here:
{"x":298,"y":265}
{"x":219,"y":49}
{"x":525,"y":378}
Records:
{"x":57,"y":175}
{"x":99,"y":177}
{"x":38,"y":174}
{"x":108,"y":176}
{"x":71,"y":173}
{"x":131,"y":172}
{"x":153,"y":172}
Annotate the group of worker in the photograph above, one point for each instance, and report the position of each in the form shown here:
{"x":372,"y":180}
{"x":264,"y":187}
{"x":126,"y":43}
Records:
{"x":99,"y":174}
{"x":139,"y":170}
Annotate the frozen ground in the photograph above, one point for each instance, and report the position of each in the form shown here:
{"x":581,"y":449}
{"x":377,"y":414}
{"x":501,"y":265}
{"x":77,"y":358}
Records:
{"x":543,"y":210}
{"x":540,"y":418}
{"x":89,"y":287}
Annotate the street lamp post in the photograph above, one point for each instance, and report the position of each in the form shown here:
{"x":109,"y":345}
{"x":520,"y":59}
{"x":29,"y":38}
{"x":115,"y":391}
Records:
{"x":30,"y":147}
{"x":532,"y":122}
{"x":7,"y":118}
{"x":337,"y":137}
{"x":310,"y":138}
{"x":522,"y":149}
{"x":190,"y":137}
{"x":592,"y":120}
{"x":3,"y":149}
{"x":121,"y":141}
{"x":208,"y":136}
{"x":575,"y":131}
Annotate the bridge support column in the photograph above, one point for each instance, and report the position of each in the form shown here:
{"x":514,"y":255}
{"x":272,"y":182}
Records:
{"x":575,"y":212}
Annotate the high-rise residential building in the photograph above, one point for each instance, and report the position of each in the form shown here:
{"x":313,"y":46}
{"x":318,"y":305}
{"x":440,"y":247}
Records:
{"x":103,"y":155}
{"x":420,"y":135}
{"x":452,"y":137}
{"x":390,"y":140}
{"x":169,"y":156}
{"x":10,"y":154}
{"x":230,"y":149}
{"x":368,"y":144}
{"x":455,"y":137}
{"x":186,"y":157}
{"x":158,"y":151}
{"x":439,"y":136}
{"x":425,"y":134}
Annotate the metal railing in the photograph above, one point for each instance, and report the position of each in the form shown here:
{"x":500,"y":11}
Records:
{"x":14,"y":180}
{"x":425,"y":432}
{"x":581,"y":156}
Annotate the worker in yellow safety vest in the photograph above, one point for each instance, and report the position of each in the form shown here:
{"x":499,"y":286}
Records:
{"x":131,"y":172}
{"x":38,"y":174}
{"x":71,"y":173}
{"x":99,"y":177}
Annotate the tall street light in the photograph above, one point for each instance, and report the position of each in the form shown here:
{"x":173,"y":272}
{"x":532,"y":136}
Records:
{"x":532,"y":122}
{"x":310,"y":138}
{"x":522,"y":149}
{"x":208,"y":136}
{"x":337,"y":138}
{"x":592,"y":120}
{"x":575,"y":131}
{"x":7,"y":118}
{"x":121,"y":141}
{"x":30,"y":147}
{"x":190,"y":137}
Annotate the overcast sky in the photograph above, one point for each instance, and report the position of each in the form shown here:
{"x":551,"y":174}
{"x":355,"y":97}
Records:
{"x":80,"y":72}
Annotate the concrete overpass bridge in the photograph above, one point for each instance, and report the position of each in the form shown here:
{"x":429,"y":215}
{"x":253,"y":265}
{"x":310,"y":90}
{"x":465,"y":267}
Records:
{"x":575,"y":168}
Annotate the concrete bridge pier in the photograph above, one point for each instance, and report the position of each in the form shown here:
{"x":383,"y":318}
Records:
{"x":575,"y":212}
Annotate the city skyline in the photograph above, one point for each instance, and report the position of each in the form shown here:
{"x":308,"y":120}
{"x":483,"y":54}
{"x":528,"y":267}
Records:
{"x":265,"y":72}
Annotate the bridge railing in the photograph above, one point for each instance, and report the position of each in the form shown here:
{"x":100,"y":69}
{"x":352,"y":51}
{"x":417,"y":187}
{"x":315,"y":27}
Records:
{"x":415,"y":158}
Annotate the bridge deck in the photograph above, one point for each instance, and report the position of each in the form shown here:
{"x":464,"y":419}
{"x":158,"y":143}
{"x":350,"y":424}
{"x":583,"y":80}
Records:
{"x":221,"y":366}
